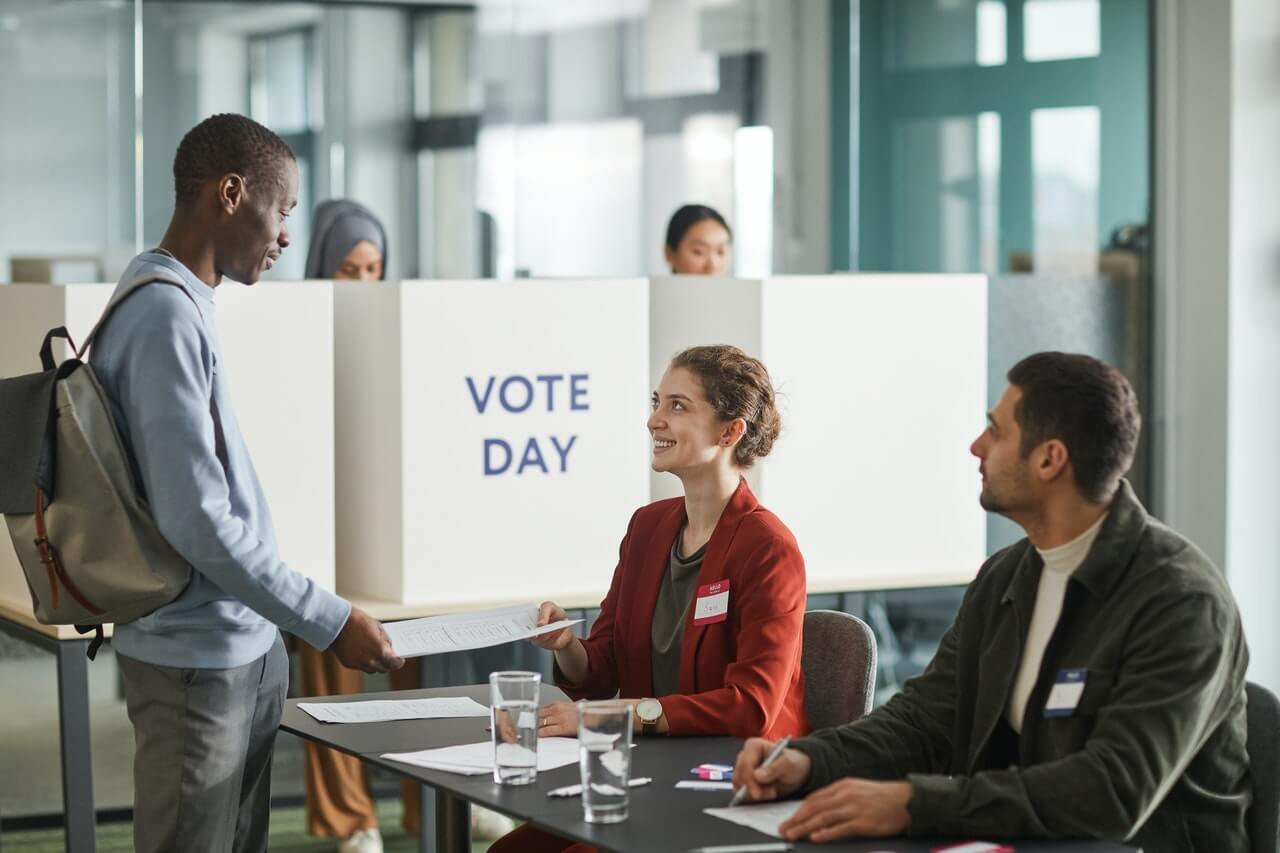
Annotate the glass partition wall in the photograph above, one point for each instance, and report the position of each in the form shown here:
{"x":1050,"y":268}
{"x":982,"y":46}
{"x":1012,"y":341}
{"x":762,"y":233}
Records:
{"x":505,"y":138}
{"x":1007,"y":137}
{"x":1011,"y":137}
{"x":67,"y":138}
{"x":574,"y":130}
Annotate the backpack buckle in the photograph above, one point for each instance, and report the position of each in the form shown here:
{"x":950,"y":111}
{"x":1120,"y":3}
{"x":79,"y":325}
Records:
{"x":50,"y":564}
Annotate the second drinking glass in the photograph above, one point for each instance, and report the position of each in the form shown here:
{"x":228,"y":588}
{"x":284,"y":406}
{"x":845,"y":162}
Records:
{"x":604,"y":756}
{"x":513,"y":701}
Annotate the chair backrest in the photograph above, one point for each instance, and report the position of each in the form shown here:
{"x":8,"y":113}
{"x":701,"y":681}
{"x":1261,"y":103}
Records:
{"x":839,"y":662}
{"x":1264,"y":766}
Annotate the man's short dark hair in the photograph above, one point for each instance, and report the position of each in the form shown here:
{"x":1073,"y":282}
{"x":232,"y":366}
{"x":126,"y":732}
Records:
{"x":1087,"y":405}
{"x":222,"y":144}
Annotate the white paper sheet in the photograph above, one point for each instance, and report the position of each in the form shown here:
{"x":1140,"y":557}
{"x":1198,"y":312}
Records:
{"x":382,"y":710}
{"x":460,"y":632}
{"x":704,"y":785}
{"x":473,"y":759}
{"x":763,"y":817}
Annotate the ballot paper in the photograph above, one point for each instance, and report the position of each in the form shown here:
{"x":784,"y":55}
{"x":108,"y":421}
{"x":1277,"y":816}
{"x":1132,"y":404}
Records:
{"x":460,"y":632}
{"x":763,"y":817}
{"x":382,"y":710}
{"x":474,"y":759}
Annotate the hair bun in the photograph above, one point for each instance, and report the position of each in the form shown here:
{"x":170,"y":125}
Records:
{"x":737,"y":386}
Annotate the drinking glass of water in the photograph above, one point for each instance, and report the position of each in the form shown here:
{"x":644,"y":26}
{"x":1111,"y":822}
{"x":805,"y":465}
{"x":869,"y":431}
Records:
{"x":604,"y":756}
{"x":513,"y":701}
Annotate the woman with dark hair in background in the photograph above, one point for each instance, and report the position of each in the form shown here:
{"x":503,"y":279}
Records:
{"x":699,"y":242}
{"x":734,"y":668}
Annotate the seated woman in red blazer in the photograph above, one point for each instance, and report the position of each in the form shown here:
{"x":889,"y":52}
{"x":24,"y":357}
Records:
{"x":701,"y":628}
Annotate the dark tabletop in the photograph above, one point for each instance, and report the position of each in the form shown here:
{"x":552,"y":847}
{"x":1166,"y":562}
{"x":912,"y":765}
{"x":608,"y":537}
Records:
{"x":662,"y":819}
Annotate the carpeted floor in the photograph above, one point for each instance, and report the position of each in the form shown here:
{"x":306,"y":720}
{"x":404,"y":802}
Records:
{"x":29,"y":740}
{"x":287,"y":836}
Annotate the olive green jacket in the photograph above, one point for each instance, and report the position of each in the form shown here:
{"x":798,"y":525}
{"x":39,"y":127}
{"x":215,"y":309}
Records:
{"x":1154,"y":754}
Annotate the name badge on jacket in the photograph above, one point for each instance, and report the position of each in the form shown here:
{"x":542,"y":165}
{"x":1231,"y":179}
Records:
{"x":1068,"y":687}
{"x":711,"y":604}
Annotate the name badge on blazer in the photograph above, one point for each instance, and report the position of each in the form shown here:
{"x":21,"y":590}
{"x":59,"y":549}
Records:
{"x":711,"y":604}
{"x":1068,"y":687}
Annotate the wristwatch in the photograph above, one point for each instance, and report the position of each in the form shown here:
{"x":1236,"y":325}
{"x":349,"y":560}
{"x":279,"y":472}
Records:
{"x":649,"y":711}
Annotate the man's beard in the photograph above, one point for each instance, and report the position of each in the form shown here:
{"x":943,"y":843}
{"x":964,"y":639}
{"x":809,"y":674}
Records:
{"x":990,"y":502}
{"x":1002,"y":501}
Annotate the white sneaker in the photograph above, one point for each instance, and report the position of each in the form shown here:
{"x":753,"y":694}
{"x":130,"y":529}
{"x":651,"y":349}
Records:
{"x":489,"y":826}
{"x":362,"y":841}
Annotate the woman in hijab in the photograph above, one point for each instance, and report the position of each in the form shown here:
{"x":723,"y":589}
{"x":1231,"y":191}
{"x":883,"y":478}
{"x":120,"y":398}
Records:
{"x":350,"y":244}
{"x":347,"y":242}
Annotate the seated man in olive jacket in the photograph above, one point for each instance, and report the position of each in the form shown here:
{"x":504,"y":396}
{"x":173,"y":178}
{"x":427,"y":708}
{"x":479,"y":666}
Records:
{"x":1092,"y":685}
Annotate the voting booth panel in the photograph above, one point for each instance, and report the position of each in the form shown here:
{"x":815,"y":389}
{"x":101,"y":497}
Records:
{"x":277,"y":347}
{"x":882,"y":387}
{"x":491,"y":437}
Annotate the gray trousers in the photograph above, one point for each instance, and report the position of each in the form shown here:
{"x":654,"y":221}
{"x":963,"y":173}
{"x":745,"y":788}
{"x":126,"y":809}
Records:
{"x":202,"y":766}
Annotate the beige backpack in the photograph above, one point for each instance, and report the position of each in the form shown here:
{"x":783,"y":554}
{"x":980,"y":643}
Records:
{"x":83,"y":532}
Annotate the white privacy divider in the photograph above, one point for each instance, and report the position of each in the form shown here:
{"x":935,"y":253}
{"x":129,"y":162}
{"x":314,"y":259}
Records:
{"x":277,"y":349}
{"x":491,"y":436}
{"x":882,"y":382}
{"x":277,"y":346}
{"x":491,"y":441}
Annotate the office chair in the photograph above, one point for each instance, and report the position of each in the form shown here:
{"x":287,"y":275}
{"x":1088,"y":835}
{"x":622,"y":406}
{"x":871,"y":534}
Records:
{"x":838,"y":657}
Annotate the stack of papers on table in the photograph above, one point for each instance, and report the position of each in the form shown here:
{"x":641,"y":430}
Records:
{"x":382,"y":710}
{"x":474,"y":759}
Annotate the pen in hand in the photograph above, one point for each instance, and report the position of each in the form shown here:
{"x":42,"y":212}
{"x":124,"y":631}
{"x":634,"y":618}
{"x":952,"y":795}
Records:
{"x":741,"y":794}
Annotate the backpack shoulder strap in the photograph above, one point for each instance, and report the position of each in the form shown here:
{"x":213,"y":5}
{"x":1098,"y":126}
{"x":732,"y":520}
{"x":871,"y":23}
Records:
{"x":219,"y":438}
{"x":128,"y":290}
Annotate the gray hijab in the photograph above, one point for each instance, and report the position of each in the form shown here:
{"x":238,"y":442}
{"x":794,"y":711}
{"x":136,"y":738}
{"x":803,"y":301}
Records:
{"x":337,"y":226}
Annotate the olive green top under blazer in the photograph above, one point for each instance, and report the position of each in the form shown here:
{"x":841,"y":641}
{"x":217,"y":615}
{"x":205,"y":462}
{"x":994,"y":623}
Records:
{"x":1154,"y":753}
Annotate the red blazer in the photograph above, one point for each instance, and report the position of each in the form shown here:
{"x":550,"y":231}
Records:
{"x":738,"y":677}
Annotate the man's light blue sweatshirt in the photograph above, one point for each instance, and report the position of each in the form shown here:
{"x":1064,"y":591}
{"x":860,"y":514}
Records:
{"x":158,"y":360}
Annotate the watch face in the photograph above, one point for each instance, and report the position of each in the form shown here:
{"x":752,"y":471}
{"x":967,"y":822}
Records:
{"x":649,"y":710}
